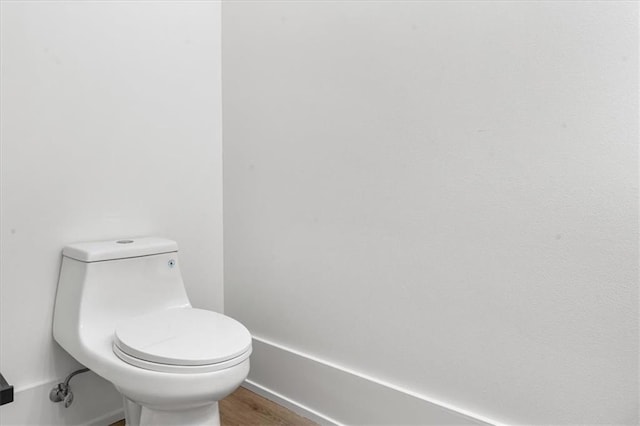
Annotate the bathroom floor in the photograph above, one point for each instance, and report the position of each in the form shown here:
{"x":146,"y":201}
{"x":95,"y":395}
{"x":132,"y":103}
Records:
{"x":244,"y":407}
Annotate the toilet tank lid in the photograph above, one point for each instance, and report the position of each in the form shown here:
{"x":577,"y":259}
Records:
{"x":123,"y":248}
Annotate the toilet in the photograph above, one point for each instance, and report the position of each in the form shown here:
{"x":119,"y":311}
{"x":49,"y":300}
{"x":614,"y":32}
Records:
{"x":122,"y":311}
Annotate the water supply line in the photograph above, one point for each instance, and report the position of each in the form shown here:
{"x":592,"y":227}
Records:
{"x":62,"y":392}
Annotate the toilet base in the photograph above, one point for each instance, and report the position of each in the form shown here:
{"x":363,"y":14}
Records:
{"x":137,"y":415}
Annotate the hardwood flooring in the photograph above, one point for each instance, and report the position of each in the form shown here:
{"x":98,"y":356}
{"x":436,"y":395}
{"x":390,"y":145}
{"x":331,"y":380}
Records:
{"x":244,"y":407}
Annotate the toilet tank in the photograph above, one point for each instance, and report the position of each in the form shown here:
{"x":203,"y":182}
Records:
{"x":105,"y":282}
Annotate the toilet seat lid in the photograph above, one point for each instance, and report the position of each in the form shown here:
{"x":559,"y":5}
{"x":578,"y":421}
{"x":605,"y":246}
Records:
{"x":183,"y":336}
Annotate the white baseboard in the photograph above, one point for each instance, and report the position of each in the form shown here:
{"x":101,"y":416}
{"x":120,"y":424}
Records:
{"x":333,"y":395}
{"x":109,"y":418}
{"x":96,"y":403}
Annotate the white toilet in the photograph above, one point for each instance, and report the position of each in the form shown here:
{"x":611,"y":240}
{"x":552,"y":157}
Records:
{"x":122,"y":311}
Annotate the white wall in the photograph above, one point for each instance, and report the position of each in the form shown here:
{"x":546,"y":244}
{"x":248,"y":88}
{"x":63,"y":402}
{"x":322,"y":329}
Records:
{"x":439,"y":196}
{"x":111,"y":127}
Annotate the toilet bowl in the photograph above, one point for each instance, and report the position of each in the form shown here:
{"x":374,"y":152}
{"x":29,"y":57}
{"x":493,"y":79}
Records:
{"x":121,"y":310}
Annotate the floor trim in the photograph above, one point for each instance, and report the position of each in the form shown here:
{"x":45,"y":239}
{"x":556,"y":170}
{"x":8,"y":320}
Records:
{"x":109,"y":418}
{"x":304,"y":371}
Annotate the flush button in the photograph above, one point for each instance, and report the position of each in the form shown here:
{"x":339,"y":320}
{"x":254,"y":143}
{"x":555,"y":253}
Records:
{"x":124,"y":241}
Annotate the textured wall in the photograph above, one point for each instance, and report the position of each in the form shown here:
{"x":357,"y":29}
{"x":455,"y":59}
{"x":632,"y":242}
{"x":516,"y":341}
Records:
{"x":441,"y":195}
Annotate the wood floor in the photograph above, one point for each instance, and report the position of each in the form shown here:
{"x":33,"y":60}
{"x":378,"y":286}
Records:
{"x":244,"y":407}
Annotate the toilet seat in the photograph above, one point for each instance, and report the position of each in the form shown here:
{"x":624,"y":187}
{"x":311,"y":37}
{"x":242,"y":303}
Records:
{"x":182,"y":340}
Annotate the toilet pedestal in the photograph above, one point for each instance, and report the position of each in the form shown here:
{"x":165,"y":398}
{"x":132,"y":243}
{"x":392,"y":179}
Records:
{"x":136,"y":415}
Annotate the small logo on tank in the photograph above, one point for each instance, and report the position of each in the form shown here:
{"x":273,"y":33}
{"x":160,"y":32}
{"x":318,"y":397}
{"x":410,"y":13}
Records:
{"x":172,"y":263}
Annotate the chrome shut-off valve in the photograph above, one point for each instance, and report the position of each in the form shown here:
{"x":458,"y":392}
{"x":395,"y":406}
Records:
{"x":62,"y":391}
